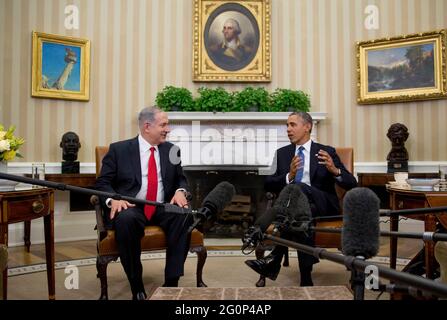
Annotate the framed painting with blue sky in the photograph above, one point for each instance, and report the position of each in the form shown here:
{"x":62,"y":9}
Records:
{"x":405,"y":68}
{"x":60,"y":68}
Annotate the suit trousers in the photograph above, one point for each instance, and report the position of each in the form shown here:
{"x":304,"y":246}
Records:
{"x":129,"y":227}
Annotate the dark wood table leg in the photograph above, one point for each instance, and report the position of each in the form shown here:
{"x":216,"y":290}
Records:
{"x":4,"y":240}
{"x":394,"y":226}
{"x":49,"y":253}
{"x":430,"y":226}
{"x":27,"y":236}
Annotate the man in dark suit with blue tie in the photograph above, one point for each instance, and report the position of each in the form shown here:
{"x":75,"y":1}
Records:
{"x":146,"y":167}
{"x":316,"y":168}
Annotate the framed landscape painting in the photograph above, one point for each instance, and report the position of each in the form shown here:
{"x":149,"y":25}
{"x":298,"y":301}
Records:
{"x":231,"y":41}
{"x":406,"y":68}
{"x":60,"y":67}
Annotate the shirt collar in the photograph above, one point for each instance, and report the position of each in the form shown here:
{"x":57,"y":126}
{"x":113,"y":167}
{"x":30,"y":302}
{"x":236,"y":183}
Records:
{"x":306,"y":146}
{"x":144,"y":145}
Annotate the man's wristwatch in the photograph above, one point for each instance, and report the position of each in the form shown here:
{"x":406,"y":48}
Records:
{"x":338,"y":173}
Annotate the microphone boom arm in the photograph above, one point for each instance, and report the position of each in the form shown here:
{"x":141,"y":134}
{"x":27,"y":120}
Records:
{"x":438,"y":289}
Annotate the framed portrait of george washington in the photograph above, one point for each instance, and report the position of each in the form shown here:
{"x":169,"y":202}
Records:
{"x":231,"y":41}
{"x":60,"y":67}
{"x":405,"y":68}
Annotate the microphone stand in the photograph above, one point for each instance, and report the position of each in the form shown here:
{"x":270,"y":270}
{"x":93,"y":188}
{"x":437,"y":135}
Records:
{"x":426,"y":236}
{"x":198,"y":216}
{"x":65,"y":187}
{"x":423,"y":284}
{"x":357,"y":280}
{"x":394,"y":213}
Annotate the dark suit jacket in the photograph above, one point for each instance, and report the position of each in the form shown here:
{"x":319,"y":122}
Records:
{"x":320,"y":177}
{"x":121,"y":171}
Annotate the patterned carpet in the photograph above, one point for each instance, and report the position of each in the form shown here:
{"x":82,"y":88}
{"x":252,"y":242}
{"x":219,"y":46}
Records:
{"x":224,"y":268}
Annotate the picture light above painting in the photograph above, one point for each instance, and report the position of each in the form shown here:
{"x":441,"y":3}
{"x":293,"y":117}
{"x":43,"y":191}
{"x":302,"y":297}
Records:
{"x":60,"y":67}
{"x":231,"y":41}
{"x":405,"y":68}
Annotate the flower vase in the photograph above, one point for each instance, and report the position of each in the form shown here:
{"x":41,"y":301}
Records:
{"x":6,"y":185}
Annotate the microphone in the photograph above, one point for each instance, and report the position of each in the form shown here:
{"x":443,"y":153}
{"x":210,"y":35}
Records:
{"x":251,"y":238}
{"x":292,"y":209}
{"x":213,"y":203}
{"x":360,"y":234}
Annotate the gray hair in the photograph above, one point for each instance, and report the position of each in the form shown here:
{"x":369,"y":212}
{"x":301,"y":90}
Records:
{"x":147,"y":114}
{"x":235,"y":24}
{"x":307,"y":118}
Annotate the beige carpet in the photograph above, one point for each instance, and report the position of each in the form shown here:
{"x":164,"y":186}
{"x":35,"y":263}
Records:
{"x":222,"y":269}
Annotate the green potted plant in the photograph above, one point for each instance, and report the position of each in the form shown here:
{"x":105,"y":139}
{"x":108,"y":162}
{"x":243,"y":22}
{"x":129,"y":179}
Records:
{"x":214,"y":100}
{"x":175,"y":99}
{"x":290,"y":100}
{"x":251,"y":99}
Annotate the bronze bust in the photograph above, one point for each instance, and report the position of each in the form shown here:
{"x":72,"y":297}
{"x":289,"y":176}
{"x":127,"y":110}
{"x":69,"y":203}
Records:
{"x":70,"y":146}
{"x":398,"y":156}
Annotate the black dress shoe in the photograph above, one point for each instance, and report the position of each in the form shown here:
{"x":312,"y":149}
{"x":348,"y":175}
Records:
{"x":139,"y":296}
{"x":268,"y":267}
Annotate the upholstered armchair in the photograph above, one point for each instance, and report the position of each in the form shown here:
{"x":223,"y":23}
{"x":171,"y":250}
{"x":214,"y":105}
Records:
{"x":153,"y":239}
{"x":322,"y":239}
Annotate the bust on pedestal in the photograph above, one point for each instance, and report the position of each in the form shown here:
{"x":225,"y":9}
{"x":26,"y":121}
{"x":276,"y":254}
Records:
{"x":70,"y":146}
{"x":398,"y":156}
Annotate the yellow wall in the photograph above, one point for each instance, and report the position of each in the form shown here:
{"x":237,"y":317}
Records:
{"x":138,"y":47}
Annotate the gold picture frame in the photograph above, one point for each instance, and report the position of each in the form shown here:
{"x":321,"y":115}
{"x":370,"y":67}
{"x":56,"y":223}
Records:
{"x":231,"y":41}
{"x":60,"y":67}
{"x":405,"y":68}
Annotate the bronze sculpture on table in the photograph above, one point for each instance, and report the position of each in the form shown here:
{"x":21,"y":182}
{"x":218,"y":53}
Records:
{"x":398,"y":156}
{"x":70,"y":146}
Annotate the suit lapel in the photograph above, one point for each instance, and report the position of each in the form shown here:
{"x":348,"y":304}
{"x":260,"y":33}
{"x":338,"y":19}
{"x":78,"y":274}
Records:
{"x":163,"y":158}
{"x":313,"y":160}
{"x":135,"y":158}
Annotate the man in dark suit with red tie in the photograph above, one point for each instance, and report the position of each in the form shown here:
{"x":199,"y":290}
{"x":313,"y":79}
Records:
{"x":146,"y":167}
{"x":316,"y":168}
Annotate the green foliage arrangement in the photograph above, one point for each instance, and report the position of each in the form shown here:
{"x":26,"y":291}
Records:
{"x":251,"y":99}
{"x":290,"y":100}
{"x":175,"y":99}
{"x":214,"y":100}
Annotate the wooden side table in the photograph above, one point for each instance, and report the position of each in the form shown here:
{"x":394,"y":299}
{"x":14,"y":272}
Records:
{"x":377,"y":181}
{"x":26,"y":205}
{"x":85,"y":180}
{"x":408,"y":199}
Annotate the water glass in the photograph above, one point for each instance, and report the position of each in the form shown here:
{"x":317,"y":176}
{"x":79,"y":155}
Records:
{"x":38,"y":170}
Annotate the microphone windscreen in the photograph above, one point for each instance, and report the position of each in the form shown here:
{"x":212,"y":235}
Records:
{"x":293,"y":203}
{"x":360,"y":236}
{"x":219,"y":197}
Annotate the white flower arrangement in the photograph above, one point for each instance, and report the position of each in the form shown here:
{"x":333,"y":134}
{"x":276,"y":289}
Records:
{"x":9,"y":144}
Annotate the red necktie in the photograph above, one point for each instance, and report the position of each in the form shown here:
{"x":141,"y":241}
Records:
{"x":152,"y":185}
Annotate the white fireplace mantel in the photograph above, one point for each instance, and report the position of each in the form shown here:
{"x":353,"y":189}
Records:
{"x":232,"y":138}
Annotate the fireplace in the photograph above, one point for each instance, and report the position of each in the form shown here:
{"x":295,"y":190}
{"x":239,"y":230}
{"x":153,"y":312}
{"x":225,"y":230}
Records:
{"x":248,"y":203}
{"x":237,"y":147}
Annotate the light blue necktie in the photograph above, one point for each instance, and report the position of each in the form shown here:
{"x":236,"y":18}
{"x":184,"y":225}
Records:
{"x":300,"y":171}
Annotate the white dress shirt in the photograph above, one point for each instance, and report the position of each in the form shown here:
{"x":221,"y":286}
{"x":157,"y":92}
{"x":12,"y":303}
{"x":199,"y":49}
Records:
{"x":145,"y":153}
{"x":306,"y":173}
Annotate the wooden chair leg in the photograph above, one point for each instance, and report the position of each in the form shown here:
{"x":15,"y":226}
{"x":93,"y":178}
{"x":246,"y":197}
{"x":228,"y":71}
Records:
{"x":202,"y":254}
{"x":101,"y":266}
